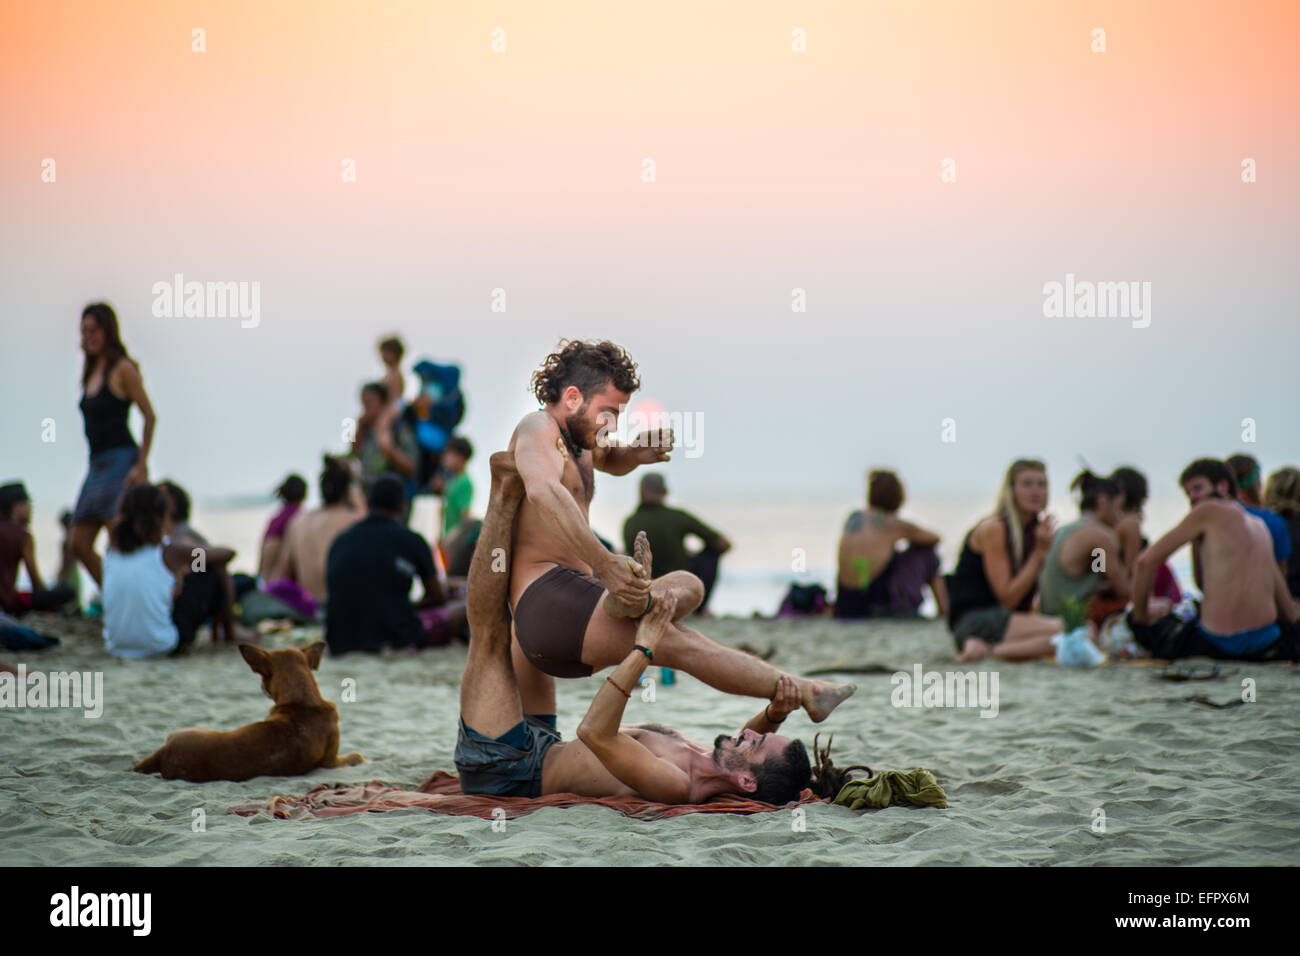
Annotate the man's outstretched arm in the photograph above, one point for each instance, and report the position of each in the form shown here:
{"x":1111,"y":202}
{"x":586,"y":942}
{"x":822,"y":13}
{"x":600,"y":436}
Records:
{"x":1144,"y":571}
{"x":648,"y":448}
{"x":653,"y":778}
{"x":784,"y":702}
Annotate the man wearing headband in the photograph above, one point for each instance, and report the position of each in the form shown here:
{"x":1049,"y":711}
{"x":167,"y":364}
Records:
{"x":1249,"y":485}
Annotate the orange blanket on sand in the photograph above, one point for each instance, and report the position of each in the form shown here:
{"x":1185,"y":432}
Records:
{"x":441,"y":794}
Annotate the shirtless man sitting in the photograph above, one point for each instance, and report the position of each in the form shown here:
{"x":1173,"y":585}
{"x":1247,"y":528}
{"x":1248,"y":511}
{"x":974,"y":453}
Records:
{"x":574,"y":602}
{"x":1247,"y":612}
{"x":307,"y":546}
{"x":504,"y":750}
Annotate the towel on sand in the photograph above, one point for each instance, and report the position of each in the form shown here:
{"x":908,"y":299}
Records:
{"x":893,"y":788}
{"x":441,"y":794}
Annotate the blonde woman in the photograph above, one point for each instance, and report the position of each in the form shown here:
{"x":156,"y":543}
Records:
{"x":1282,"y":496}
{"x":991,"y":591}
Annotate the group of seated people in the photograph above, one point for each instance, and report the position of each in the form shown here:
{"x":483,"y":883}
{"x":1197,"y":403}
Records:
{"x":353,"y":562}
{"x":161,"y":580}
{"x":1020,"y":580}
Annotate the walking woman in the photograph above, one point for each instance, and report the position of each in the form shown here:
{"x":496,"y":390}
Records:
{"x":110,"y":384}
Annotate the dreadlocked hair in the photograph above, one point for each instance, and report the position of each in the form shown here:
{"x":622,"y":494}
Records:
{"x":828,"y":779}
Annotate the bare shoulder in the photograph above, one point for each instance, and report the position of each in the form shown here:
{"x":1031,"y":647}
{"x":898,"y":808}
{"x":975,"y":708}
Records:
{"x":1216,"y":512}
{"x":989,"y":530}
{"x":535,"y":426}
{"x":125,"y":372}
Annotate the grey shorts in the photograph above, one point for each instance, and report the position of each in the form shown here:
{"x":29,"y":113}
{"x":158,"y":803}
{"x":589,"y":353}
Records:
{"x":988,"y":624}
{"x":505,"y":766}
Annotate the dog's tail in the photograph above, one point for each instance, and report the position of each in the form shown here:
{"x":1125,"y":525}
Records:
{"x":150,"y":764}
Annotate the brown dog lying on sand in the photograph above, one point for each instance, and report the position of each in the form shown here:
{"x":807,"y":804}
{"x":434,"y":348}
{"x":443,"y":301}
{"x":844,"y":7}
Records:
{"x":301,"y":734}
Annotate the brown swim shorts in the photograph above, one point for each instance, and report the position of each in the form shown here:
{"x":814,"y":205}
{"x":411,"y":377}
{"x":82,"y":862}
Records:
{"x":551,"y":620}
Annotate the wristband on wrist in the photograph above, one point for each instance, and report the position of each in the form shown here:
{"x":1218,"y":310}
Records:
{"x":645,"y":650}
{"x":768,"y":716}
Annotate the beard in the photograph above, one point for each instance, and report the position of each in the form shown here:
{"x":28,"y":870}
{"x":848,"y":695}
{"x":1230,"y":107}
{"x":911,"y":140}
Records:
{"x":580,"y":430}
{"x":725,"y":759}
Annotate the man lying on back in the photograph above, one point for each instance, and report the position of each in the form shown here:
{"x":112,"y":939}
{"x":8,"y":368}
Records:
{"x":1247,"y":612}
{"x":502,"y":751}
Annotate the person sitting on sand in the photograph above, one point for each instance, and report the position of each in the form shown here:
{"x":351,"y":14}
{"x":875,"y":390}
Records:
{"x":502,"y":749}
{"x":574,"y":601}
{"x":991,"y":591}
{"x":17,"y":547}
{"x":370,"y":570}
{"x":1246,"y":611}
{"x":1085,"y":562}
{"x":875,"y":578}
{"x":1133,"y":486}
{"x":1250,"y":480}
{"x":1282,"y":497}
{"x":667,"y":529}
{"x":210,"y":596}
{"x":302,"y":560}
{"x":292,"y":493}
{"x":156,"y":596}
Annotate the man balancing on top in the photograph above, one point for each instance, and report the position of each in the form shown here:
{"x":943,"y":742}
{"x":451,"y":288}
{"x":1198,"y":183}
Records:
{"x":503,"y":750}
{"x":575,"y":603}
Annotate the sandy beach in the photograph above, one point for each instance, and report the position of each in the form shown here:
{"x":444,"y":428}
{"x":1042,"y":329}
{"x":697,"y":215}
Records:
{"x":1179,"y":783}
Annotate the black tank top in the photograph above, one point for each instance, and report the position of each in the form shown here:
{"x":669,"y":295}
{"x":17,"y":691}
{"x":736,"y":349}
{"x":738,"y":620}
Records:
{"x":105,"y":416}
{"x":968,"y":585}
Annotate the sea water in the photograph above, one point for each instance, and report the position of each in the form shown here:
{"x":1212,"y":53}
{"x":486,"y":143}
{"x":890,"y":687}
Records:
{"x":774,"y":540}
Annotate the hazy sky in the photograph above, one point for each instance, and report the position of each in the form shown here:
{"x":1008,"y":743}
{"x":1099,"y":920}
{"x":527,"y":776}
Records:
{"x":774,"y":170}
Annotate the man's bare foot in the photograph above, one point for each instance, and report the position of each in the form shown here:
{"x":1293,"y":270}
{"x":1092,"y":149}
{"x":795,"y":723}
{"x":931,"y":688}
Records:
{"x":505,"y":476}
{"x":973,"y":650}
{"x":642,"y":560}
{"x":821,"y":697}
{"x":641,"y":554}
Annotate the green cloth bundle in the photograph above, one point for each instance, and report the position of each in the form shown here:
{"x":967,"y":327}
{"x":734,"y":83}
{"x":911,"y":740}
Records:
{"x":893,"y":788}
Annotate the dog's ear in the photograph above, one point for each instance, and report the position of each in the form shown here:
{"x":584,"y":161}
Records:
{"x":258,"y":659}
{"x":314,"y":654}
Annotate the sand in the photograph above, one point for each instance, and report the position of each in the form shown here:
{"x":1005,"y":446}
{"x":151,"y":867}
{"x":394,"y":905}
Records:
{"x":1178,"y":783}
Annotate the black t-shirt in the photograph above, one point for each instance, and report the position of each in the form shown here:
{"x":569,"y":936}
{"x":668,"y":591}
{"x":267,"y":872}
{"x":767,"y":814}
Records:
{"x":369,"y":573}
